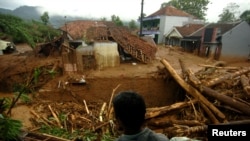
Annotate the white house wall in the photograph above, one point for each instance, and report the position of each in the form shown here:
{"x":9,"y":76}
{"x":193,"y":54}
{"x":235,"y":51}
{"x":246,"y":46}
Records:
{"x":236,"y":42}
{"x":168,"y":22}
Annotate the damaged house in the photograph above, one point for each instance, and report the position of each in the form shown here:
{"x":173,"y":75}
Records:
{"x":106,"y":45}
{"x":228,"y":41}
{"x":219,"y":41}
{"x":180,"y":36}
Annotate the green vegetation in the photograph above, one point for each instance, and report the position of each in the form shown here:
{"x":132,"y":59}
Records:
{"x":132,"y":25}
{"x":229,"y":13}
{"x":116,"y":20}
{"x":197,"y":8}
{"x":245,"y":16}
{"x":21,"y":31}
{"x":45,"y":18}
{"x":9,"y":128}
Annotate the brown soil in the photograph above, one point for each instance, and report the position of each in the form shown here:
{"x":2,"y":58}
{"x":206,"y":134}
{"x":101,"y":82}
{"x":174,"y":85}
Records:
{"x":143,"y":78}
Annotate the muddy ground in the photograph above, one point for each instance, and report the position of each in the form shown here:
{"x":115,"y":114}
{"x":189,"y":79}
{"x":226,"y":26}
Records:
{"x":147,"y":79}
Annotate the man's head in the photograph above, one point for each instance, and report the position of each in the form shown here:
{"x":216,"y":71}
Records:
{"x":130,"y":109}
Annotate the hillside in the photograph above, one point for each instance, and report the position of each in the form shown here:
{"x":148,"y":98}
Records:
{"x":35,"y":12}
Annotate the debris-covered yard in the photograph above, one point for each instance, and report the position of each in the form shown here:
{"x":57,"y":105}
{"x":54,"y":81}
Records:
{"x":184,"y":93}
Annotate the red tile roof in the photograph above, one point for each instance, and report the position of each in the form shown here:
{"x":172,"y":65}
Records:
{"x":189,"y":29}
{"x":171,"y":11}
{"x":77,"y":29}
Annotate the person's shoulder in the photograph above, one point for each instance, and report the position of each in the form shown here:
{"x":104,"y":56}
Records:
{"x":158,"y":136}
{"x":161,"y":137}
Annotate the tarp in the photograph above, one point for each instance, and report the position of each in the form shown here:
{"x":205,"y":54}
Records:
{"x":4,"y":44}
{"x":106,"y":54}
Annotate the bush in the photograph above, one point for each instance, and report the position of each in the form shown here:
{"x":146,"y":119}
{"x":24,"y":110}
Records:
{"x":26,"y":32}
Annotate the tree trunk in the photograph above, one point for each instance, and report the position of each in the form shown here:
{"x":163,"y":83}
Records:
{"x":170,"y":122}
{"x":194,"y":80}
{"x":225,"y":77}
{"x":210,"y":114}
{"x":245,"y":84}
{"x":227,"y":100}
{"x":154,"y":112}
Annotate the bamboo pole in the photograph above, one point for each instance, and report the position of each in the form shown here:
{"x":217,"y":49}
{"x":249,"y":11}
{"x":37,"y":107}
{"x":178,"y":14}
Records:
{"x":111,"y":98}
{"x":86,"y":106}
{"x":102,"y":111}
{"x":55,"y":116}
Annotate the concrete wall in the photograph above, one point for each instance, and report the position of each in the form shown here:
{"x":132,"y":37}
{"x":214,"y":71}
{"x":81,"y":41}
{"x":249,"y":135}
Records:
{"x":167,"y":23}
{"x":236,"y":42}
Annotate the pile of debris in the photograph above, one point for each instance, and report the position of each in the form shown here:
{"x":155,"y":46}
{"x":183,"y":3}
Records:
{"x":214,"y":95}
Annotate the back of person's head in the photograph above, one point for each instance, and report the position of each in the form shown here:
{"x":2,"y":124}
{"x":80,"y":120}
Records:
{"x":130,"y":109}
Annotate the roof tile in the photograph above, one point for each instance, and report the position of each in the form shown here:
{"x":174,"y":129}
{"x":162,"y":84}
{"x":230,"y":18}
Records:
{"x":171,"y":11}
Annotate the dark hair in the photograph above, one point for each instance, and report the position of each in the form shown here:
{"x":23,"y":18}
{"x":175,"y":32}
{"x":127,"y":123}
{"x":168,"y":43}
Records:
{"x":130,"y":109}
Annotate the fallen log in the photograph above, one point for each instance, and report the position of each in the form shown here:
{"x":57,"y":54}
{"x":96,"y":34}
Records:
{"x":180,"y":130}
{"x":247,"y":121}
{"x":184,"y":69}
{"x":222,"y":78}
{"x":226,"y":99}
{"x":210,"y":114}
{"x":154,"y":112}
{"x":212,"y":66}
{"x":192,"y":91}
{"x":194,"y":80}
{"x":170,"y":122}
{"x":245,"y":84}
{"x":34,"y":136}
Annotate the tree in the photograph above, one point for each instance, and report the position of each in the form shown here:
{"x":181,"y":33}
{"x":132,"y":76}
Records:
{"x":116,"y":20}
{"x":132,"y":25}
{"x":45,"y":18}
{"x":103,"y":19}
{"x":143,"y":16}
{"x":229,"y":13}
{"x":30,"y":32}
{"x":196,"y":8}
{"x":245,"y":16}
